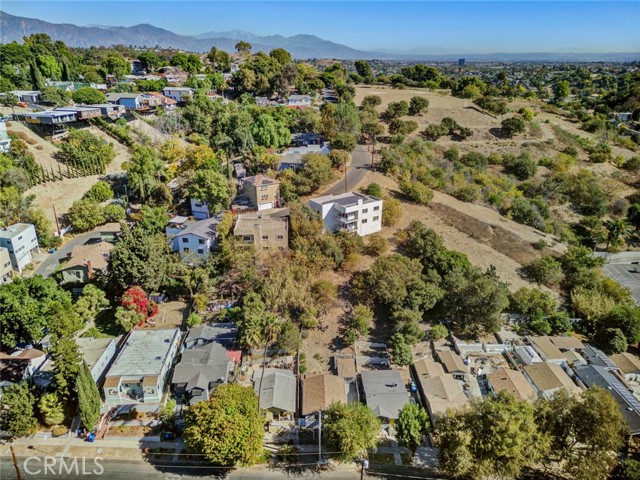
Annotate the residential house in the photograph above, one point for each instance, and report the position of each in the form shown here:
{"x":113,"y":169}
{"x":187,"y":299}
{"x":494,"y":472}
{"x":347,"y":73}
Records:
{"x":194,"y":240}
{"x":85,"y":261}
{"x":320,"y":391}
{"x":510,"y":381}
{"x":141,"y":370}
{"x":84,"y":112}
{"x":597,"y":357}
{"x":548,"y":378}
{"x":442,"y":393}
{"x":453,"y":364}
{"x":111,"y":110}
{"x":527,"y":355}
{"x":223,"y":333}
{"x":263,"y":231}
{"x":20,"y":365}
{"x":573,"y":357}
{"x":385,"y":393}
{"x":298,"y":101}
{"x":5,"y":139}
{"x":176,"y":78}
{"x":97,"y":353}
{"x":27,"y":96}
{"x":20,"y":240}
{"x":276,"y":391}
{"x":423,"y":370}
{"x":599,"y":376}
{"x":350,"y":212}
{"x":6,"y":268}
{"x":135,"y":101}
{"x":50,"y":117}
{"x":239,"y":171}
{"x":166,"y":103}
{"x":547,"y":350}
{"x":199,"y":209}
{"x":200,"y":371}
{"x":179,"y":94}
{"x":345,"y":366}
{"x":263,"y":192}
{"x":629,"y":365}
{"x":301,"y":144}
{"x":567,"y":342}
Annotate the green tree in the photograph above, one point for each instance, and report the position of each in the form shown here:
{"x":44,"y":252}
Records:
{"x":228,"y":428}
{"x":280,"y":55}
{"x":627,"y":319}
{"x":438,"y":332}
{"x":561,"y":91}
{"x":85,"y":215}
{"x":533,"y":302}
{"x":360,"y":319}
{"x":99,"y":192}
{"x":351,"y":429}
{"x":401,"y":350}
{"x":416,"y":192}
{"x":212,"y":187}
{"x":374,"y":190}
{"x":91,"y":302}
{"x":51,"y":409}
{"x":88,"y":95}
{"x":144,"y":170}
{"x":617,"y":231}
{"x":391,"y":211}
{"x":463,"y":438}
{"x":545,"y":270}
{"x":611,"y":340}
{"x":270,"y":132}
{"x":512,"y":126}
{"x":54,"y":96}
{"x":418,"y":105}
{"x":167,"y":412}
{"x":138,"y":259}
{"x":116,"y":65}
{"x":413,"y":425}
{"x":364,"y":70}
{"x":17,"y":407}
{"x":395,"y":110}
{"x":243,"y":48}
{"x":88,"y":398}
{"x":114,"y":213}
{"x":371,"y":101}
{"x":85,"y":151}
{"x":317,"y":170}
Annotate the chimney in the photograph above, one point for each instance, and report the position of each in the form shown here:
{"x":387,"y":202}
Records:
{"x":89,"y":269}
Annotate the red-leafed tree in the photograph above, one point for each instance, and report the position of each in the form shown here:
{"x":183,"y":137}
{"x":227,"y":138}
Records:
{"x":135,"y":308}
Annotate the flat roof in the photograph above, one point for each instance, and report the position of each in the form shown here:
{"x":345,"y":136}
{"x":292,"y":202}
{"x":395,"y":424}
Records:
{"x":345,"y":199}
{"x":385,"y":392}
{"x":144,"y":353}
{"x":15,"y":229}
{"x":91,"y":349}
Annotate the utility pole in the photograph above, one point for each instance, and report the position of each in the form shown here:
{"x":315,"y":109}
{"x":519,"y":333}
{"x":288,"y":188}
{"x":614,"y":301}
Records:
{"x":344,"y":167}
{"x":319,"y":437}
{"x":15,"y":462}
{"x":55,"y":215}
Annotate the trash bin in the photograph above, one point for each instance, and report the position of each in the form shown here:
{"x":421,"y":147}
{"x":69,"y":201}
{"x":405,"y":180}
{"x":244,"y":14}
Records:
{"x":53,"y":250}
{"x":91,"y":437}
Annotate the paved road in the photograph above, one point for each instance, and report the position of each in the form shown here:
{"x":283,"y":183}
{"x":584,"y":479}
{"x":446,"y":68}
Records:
{"x":360,"y":162}
{"x":49,"y":265}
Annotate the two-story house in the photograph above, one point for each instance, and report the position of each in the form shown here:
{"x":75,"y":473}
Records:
{"x":27,"y":96}
{"x":5,"y":139}
{"x":350,"y":212}
{"x":263,"y":192}
{"x":298,"y":101}
{"x":141,"y":370}
{"x":20,"y":240}
{"x":265,"y":232}
{"x":194,"y":240}
{"x":179,"y":94}
{"x":6,"y":269}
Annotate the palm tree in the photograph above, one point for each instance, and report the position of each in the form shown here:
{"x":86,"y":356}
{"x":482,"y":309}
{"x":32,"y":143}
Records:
{"x":618,"y":230}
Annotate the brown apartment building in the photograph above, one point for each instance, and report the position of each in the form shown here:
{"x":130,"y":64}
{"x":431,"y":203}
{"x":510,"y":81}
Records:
{"x":263,"y":192}
{"x":265,"y":232}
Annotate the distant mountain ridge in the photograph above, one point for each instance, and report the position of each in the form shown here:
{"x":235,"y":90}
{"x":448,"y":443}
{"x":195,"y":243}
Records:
{"x":14,"y":28}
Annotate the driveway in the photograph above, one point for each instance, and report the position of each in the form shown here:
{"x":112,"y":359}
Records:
{"x":360,"y":163}
{"x":53,"y":260}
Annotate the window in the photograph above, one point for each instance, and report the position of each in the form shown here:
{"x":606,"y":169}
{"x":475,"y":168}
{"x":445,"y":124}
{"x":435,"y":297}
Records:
{"x":201,"y":251}
{"x":201,"y":241}
{"x":20,"y":237}
{"x":247,"y":238}
{"x":365,"y":210}
{"x":375,"y":209}
{"x":364,"y":220}
{"x":265,"y":237}
{"x":264,"y":197}
{"x":263,"y":187}
{"x":280,"y":248}
{"x":186,"y":250}
{"x":185,"y":240}
{"x":375,"y":219}
{"x":279,"y":237}
{"x":198,"y":205}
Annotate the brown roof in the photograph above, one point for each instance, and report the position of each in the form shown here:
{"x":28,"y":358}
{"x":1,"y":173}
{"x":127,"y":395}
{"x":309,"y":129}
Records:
{"x":452,"y":361}
{"x":320,"y":391}
{"x":112,"y":381}
{"x":627,"y":362}
{"x":567,"y":343}
{"x":97,"y":254}
{"x":259,"y":180}
{"x":513,"y":382}
{"x":149,"y":380}
{"x":549,"y":376}
{"x":442,"y":393}
{"x":345,"y":366}
{"x":13,"y":369}
{"x":29,"y":354}
{"x":426,"y":369}
{"x":546,"y":348}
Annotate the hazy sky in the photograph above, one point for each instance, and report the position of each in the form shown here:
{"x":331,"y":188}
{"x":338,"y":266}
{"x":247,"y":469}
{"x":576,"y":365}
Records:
{"x":412,"y":27}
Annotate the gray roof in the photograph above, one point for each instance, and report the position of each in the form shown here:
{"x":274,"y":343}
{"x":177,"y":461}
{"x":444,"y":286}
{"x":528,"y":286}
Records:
{"x":91,"y":349}
{"x":222,"y":333}
{"x":345,"y":199}
{"x":15,"y":229}
{"x":384,"y":392}
{"x":595,"y":375}
{"x":597,"y":357}
{"x":202,"y":366}
{"x":278,"y":389}
{"x":114,"y":97}
{"x":202,"y":228}
{"x":144,"y":352}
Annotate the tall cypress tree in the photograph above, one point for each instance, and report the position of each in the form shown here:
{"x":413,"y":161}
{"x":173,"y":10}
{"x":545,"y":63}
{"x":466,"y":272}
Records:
{"x":88,"y":398}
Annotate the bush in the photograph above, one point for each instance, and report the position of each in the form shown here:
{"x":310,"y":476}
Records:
{"x":59,"y":430}
{"x":438,"y":332}
{"x":545,"y":271}
{"x":99,"y":192}
{"x":114,"y":212}
{"x":391,"y":211}
{"x":512,"y":126}
{"x":416,"y":192}
{"x":632,"y":165}
{"x":194,"y":320}
{"x":521,"y":167}
{"x":339,"y":158}
{"x":374,"y":190}
{"x":377,"y":245}
{"x":85,"y":215}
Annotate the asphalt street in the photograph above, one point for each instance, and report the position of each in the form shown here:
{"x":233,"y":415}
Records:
{"x":360,"y":163}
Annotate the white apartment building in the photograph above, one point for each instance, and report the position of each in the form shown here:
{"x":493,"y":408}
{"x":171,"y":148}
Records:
{"x":179,"y":94}
{"x":351,"y":212}
{"x":194,"y":240}
{"x":6,"y":270}
{"x":20,"y":239}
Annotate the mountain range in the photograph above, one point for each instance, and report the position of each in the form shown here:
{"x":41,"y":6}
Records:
{"x":14,"y":28}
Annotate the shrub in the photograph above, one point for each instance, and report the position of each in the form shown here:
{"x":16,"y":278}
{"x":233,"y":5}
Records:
{"x":377,"y":245}
{"x":512,"y":126}
{"x":374,"y":190}
{"x":632,"y":165}
{"x":59,"y":430}
{"x":114,"y":212}
{"x":416,"y":192}
{"x":391,"y":211}
{"x":545,"y":271}
{"x":99,"y":192}
{"x":521,"y":167}
{"x":438,"y":332}
{"x":194,"y":320}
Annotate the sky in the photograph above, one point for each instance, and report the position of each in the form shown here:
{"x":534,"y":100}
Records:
{"x":435,"y":27}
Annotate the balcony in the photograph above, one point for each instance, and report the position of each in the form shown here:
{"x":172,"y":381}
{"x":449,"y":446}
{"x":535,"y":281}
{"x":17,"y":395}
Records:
{"x":344,"y":218}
